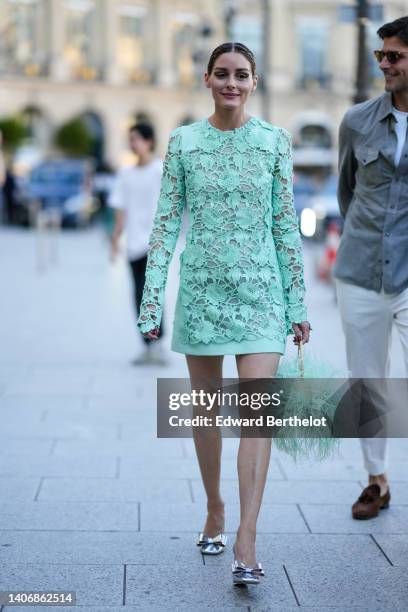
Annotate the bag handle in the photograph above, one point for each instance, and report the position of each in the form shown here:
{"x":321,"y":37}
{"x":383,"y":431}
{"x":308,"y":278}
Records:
{"x":301,"y":359}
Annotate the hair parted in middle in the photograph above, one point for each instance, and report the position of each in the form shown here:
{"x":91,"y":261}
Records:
{"x":231,"y":47}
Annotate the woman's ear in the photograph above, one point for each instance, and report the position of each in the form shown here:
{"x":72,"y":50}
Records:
{"x":206,"y":78}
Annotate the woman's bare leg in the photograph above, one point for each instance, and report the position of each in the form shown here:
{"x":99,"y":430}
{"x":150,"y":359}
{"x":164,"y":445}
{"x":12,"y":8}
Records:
{"x":253,"y":462}
{"x":206,"y":373}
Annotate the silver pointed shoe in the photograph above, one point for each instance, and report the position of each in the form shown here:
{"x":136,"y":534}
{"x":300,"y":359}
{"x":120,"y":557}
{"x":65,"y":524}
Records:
{"x":212,"y":546}
{"x":243,"y":574}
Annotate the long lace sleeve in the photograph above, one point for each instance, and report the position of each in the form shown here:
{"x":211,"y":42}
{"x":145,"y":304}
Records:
{"x":286,"y":234}
{"x":163,"y":238}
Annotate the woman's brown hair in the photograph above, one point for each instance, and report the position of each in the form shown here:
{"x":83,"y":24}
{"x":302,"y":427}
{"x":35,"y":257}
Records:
{"x":234,"y":47}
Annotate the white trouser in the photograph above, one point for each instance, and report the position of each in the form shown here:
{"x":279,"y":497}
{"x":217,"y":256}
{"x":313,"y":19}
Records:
{"x":367,"y":319}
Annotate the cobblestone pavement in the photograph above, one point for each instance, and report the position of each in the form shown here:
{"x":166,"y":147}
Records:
{"x":92,"y":502}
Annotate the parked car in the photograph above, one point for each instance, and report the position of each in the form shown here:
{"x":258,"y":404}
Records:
{"x":304,"y":188}
{"x":322,"y":211}
{"x":63,"y":185}
{"x":26,"y":158}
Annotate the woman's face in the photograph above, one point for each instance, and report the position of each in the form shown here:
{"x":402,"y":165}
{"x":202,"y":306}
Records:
{"x":231,"y":80}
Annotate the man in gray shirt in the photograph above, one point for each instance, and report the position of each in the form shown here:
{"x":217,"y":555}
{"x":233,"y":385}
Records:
{"x":371,"y":269}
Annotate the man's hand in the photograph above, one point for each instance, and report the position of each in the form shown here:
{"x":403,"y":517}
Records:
{"x":302,"y":332}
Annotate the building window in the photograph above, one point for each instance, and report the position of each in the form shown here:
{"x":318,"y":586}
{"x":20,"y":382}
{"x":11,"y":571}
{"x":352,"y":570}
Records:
{"x":133,"y":33}
{"x":82,"y":39}
{"x":192,"y":45}
{"x":23,"y":40}
{"x":184,"y":28}
{"x":313,"y":44}
{"x":248,"y":29}
{"x":314,"y":136}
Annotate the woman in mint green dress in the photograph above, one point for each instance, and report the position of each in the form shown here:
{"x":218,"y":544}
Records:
{"x":241,"y":273}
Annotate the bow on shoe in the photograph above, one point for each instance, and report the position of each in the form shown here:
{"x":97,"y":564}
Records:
{"x":212,"y":546}
{"x":243,"y":574}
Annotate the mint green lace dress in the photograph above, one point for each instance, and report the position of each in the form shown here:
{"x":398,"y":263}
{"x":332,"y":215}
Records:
{"x":241,"y":272}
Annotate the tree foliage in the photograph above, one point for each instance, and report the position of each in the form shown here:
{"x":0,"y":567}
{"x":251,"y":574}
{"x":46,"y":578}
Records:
{"x":73,"y":138}
{"x":13,"y":132}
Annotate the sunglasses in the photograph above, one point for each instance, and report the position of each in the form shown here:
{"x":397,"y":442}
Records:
{"x":392,"y":56}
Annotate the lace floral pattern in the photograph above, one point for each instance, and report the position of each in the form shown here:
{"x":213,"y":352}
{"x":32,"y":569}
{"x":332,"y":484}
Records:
{"x":241,"y":273}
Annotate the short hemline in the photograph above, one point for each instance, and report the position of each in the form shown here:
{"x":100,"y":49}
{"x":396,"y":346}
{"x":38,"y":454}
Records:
{"x":233,"y":347}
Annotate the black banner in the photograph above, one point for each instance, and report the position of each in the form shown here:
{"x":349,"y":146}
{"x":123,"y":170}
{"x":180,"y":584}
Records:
{"x":285,"y":407}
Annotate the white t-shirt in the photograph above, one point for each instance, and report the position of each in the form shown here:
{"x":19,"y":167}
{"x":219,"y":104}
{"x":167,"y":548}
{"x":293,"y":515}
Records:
{"x":401,"y":129}
{"x":136,"y":191}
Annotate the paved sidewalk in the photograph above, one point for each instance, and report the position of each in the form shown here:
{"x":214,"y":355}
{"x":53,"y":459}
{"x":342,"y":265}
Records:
{"x":91,"y":501}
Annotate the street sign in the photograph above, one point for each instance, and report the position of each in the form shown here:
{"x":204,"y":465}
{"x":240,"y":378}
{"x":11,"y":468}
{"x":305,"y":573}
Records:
{"x":346,"y":13}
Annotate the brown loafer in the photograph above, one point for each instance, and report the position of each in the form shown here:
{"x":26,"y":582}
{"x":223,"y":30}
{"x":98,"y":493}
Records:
{"x":370,"y":502}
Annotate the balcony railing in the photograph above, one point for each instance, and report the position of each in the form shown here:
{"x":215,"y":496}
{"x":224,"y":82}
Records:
{"x":30,"y":69}
{"x":85,"y":72}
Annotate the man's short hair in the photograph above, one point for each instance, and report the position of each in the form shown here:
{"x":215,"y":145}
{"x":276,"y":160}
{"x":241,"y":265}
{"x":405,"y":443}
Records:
{"x":145,"y":130}
{"x":398,"y":28}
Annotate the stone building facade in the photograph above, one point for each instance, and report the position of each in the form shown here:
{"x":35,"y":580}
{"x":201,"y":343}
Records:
{"x":112,"y":61}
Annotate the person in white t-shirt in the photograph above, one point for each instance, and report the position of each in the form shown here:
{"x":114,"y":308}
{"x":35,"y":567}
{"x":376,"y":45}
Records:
{"x":3,"y":215}
{"x":134,"y":197}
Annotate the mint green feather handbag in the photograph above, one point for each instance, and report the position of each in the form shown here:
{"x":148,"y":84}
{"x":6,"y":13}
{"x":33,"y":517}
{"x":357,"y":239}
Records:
{"x":312,"y":393}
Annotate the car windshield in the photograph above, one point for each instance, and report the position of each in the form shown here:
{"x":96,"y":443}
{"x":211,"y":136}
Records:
{"x":57,"y":180}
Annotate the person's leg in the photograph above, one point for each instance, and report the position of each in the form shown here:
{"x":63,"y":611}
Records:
{"x":400,"y":318}
{"x":253,"y":462}
{"x":138,"y":269}
{"x":400,"y":314}
{"x":367,"y":324}
{"x":206,"y":373}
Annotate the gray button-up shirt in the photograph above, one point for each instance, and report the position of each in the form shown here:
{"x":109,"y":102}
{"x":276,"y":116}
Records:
{"x":373,"y":199}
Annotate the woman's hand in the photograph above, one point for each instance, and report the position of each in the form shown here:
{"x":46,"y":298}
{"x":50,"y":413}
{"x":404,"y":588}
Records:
{"x":153,"y":334}
{"x":302,"y":332}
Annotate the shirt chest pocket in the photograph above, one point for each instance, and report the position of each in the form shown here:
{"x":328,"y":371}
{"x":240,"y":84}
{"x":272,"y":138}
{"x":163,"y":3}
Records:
{"x":369,"y":164}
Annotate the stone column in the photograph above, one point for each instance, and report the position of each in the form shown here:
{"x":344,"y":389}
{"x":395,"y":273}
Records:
{"x":283,"y":59}
{"x":164,"y":43}
{"x":110,"y":33}
{"x":58,"y":69}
